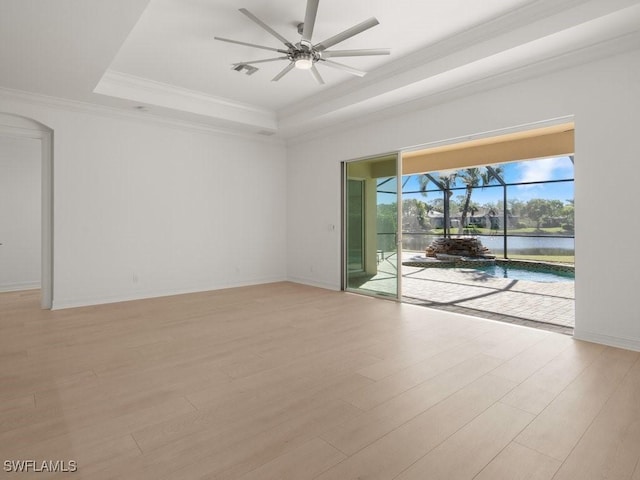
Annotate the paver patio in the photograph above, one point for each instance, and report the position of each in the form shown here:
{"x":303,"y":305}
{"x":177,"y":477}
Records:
{"x":472,"y":292}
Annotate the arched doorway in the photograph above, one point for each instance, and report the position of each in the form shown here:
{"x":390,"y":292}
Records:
{"x":21,"y":127}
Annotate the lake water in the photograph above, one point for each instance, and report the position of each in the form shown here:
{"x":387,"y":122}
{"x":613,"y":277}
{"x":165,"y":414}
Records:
{"x":515,"y":245}
{"x":531,"y":245}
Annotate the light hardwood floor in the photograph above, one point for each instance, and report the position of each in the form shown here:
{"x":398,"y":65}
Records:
{"x":284,"y":381}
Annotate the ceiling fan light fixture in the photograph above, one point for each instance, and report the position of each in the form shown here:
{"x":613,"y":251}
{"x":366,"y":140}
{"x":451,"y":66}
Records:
{"x":304,"y":54}
{"x":303,"y":61}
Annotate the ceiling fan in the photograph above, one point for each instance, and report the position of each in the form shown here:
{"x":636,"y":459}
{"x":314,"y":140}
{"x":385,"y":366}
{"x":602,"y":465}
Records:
{"x":304,"y":55}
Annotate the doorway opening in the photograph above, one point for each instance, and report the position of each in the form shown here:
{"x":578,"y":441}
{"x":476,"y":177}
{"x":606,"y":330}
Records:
{"x":26,"y":136}
{"x":371,"y":243}
{"x":483,"y":227}
{"x":504,"y":248}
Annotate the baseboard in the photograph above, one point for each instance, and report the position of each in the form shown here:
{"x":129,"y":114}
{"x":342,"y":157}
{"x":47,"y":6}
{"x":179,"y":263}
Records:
{"x":314,"y":283}
{"x":619,"y":342}
{"x":16,"y":287}
{"x":60,"y":304}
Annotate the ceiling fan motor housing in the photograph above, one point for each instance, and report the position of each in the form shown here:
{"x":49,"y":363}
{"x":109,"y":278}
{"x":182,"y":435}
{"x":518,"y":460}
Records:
{"x":304,"y":60}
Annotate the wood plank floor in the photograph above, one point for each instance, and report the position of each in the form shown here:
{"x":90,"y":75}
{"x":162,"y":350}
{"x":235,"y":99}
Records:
{"x":284,"y":381}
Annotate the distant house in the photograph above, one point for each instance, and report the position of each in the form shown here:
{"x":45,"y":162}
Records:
{"x":483,"y":218}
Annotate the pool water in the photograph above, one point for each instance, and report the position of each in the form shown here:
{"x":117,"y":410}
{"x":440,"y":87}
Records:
{"x":519,"y":273}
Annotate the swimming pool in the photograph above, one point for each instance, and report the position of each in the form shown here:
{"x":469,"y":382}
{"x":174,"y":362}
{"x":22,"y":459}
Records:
{"x":532,"y":271}
{"x":520,"y":272}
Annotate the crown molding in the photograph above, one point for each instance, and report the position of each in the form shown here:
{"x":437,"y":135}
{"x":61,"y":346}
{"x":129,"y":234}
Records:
{"x":541,"y":36}
{"x":562,"y":61}
{"x":39,"y":100}
{"x":454,"y":77}
{"x":472,"y":44}
{"x":150,"y":92}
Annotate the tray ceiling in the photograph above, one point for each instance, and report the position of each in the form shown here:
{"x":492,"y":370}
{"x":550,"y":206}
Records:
{"x":160,"y":55}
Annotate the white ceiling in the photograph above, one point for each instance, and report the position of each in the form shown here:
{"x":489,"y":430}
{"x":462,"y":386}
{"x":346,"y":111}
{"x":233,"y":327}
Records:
{"x":161,"y":54}
{"x":173,"y":41}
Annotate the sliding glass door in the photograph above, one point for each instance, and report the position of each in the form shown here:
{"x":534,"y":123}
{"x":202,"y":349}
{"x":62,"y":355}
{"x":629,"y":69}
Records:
{"x":372,"y":226}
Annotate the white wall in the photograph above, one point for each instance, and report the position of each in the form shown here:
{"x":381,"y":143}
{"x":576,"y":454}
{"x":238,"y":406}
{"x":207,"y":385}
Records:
{"x":143,"y":208}
{"x":19,"y":213}
{"x":604,"y":97}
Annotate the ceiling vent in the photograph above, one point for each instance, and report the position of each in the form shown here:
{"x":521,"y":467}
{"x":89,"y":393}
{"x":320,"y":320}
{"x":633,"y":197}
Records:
{"x":243,"y":67}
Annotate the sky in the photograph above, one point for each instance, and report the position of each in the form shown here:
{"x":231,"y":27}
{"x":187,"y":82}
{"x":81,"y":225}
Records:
{"x":557,"y":168}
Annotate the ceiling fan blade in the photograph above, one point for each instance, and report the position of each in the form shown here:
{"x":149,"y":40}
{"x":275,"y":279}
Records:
{"x":316,"y":74}
{"x":262,"y":61}
{"x":286,"y":70}
{"x":350,"y":32}
{"x":250,"y":45}
{"x":266,"y":27}
{"x":345,"y":68}
{"x":310,"y":19}
{"x":356,"y":53}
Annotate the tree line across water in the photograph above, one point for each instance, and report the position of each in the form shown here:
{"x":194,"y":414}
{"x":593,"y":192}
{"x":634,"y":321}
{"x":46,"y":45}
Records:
{"x":535,"y":216}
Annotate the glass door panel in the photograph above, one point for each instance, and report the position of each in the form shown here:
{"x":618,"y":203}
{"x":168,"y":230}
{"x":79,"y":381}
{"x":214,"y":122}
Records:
{"x":355,"y":226}
{"x":371,"y":226}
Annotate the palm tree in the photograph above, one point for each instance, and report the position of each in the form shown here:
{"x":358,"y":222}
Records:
{"x":471,"y":178}
{"x":473,"y":209}
{"x":474,"y":177}
{"x":446,"y":181}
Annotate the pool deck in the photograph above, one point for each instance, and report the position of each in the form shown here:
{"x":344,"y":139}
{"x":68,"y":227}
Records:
{"x":471,"y":292}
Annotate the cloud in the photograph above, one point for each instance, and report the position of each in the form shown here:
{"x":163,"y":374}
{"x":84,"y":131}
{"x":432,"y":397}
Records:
{"x":545,"y":169}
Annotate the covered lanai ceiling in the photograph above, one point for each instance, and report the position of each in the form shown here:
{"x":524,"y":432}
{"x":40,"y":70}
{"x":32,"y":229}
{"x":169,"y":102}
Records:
{"x":160,"y":57}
